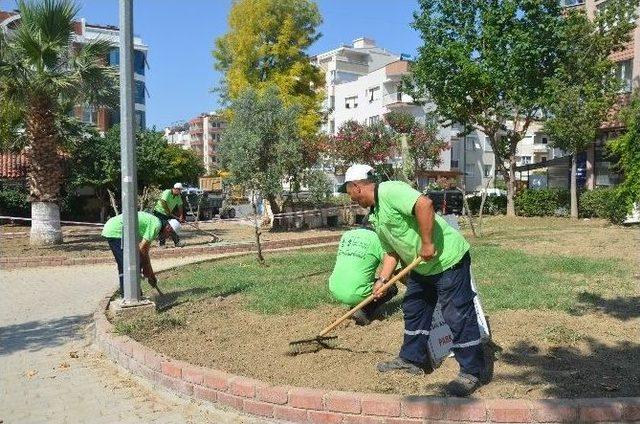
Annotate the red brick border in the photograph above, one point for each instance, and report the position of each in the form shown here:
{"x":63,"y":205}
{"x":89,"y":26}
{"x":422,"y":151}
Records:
{"x":304,"y":405}
{"x":42,"y":261}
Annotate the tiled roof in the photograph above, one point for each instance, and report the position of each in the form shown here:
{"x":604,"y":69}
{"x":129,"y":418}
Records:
{"x":13,"y":165}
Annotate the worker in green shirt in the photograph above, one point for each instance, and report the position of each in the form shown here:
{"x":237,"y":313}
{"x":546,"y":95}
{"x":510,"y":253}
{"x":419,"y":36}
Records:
{"x":149,"y":228}
{"x":407,"y":226}
{"x":359,"y":255}
{"x":169,"y":206}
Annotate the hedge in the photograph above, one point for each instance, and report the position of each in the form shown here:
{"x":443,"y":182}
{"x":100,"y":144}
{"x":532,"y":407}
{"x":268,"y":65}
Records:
{"x":543,"y":202}
{"x":602,"y":202}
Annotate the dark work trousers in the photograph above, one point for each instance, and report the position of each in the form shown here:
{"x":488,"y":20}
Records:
{"x":164,"y":220}
{"x":116,"y":248}
{"x":453,"y":289}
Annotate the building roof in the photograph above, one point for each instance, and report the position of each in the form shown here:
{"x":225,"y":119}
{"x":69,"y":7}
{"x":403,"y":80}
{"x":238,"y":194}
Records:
{"x":13,"y":165}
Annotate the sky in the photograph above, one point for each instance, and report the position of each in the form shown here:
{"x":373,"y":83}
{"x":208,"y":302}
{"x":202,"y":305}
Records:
{"x":180,"y":35}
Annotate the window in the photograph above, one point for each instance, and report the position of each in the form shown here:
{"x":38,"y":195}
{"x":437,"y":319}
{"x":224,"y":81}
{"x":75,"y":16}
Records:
{"x":351,"y":102}
{"x":138,"y":62}
{"x":487,"y":145}
{"x":526,"y":160}
{"x":332,"y":102}
{"x":113,"y":57}
{"x":544,"y":140}
{"x":472,"y":143}
{"x":470,"y":169}
{"x":543,"y":159}
{"x":373,"y":94}
{"x":140,"y":92}
{"x":373,"y":119}
{"x":624,"y":71}
{"x":89,"y":114}
{"x":454,"y":163}
{"x":486,"y":170}
{"x":332,"y":126}
{"x":139,"y":120}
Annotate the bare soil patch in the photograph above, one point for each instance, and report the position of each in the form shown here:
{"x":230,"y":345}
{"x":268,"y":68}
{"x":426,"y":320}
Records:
{"x":546,"y":354}
{"x":85,"y":241}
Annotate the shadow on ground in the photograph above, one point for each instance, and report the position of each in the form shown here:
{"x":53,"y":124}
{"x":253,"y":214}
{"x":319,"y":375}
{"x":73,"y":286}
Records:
{"x":36,"y":335}
{"x":622,"y":308}
{"x":567,"y":372}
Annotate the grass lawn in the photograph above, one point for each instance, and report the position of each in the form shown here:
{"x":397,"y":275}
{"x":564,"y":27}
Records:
{"x":507,"y":277}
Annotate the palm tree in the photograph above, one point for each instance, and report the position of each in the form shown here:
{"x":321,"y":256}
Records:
{"x":43,"y":71}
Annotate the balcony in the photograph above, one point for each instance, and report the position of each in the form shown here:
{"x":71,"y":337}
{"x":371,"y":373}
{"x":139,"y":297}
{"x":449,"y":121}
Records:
{"x":396,"y":100}
{"x":540,"y":148}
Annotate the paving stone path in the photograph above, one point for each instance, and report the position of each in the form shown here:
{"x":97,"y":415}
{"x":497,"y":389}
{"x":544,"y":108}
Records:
{"x":50,"y":373}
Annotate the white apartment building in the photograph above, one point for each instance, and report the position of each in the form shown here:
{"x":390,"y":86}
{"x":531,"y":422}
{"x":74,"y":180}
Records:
{"x":363,"y":83}
{"x":178,"y":134}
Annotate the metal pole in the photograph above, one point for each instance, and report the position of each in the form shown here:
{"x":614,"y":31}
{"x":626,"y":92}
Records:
{"x":128,"y":158}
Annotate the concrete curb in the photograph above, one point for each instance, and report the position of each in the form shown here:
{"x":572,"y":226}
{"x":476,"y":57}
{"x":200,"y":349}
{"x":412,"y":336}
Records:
{"x":42,"y":261}
{"x":304,"y":405}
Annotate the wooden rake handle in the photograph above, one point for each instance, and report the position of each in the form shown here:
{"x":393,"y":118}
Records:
{"x":369,"y":299}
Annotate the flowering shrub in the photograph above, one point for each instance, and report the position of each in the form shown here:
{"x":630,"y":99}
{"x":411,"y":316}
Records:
{"x":356,"y":143}
{"x":425,"y":146}
{"x":400,"y":122}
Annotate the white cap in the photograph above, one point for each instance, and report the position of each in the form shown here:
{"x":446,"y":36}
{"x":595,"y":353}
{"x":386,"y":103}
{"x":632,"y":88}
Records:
{"x":178,"y":185}
{"x":355,"y":172}
{"x":175,"y":225}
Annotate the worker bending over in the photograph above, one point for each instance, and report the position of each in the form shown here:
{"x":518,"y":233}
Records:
{"x":149,"y":228}
{"x":353,"y":277}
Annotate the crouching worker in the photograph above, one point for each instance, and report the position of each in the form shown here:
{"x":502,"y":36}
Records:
{"x":353,"y":277}
{"x":149,"y":228}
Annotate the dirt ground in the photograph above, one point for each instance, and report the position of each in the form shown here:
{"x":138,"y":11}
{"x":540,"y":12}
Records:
{"x":84,"y":241}
{"x":545,"y":354}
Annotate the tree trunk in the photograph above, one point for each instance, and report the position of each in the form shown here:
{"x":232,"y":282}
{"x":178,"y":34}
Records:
{"x":274,"y":205}
{"x":574,"y":188}
{"x":256,"y":228}
{"x":45,"y":174}
{"x":511,"y":186}
{"x":45,"y":224}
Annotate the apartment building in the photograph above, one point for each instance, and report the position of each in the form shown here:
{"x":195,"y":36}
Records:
{"x":595,"y":163}
{"x":204,"y":135}
{"x":84,"y":33}
{"x":178,"y":134}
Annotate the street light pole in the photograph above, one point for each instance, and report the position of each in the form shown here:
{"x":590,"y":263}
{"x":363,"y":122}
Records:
{"x":131,"y":259}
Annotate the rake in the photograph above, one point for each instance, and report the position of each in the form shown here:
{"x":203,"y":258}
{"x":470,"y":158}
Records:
{"x":322,"y":341}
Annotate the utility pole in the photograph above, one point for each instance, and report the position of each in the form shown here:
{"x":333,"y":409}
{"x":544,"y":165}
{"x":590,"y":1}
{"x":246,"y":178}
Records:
{"x":131,"y":258}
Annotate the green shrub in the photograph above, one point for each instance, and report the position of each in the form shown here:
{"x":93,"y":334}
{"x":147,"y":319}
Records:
{"x":603,"y":202}
{"x":14,"y":200}
{"x":543,"y":202}
{"x":493,"y":205}
{"x":596,"y":203}
{"x":320,"y":186}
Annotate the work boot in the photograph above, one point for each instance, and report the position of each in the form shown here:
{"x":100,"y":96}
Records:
{"x":463,"y":385}
{"x":361,"y":318}
{"x":399,"y":364}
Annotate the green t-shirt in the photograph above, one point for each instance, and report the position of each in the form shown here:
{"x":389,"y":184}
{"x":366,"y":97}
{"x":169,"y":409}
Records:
{"x":359,"y":255}
{"x":172,"y":201}
{"x":397,"y":227}
{"x":148,"y":226}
